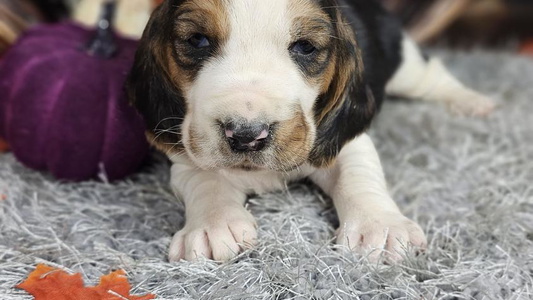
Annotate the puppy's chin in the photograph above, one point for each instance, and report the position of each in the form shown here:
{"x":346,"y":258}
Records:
{"x":251,"y":161}
{"x":268,"y":165}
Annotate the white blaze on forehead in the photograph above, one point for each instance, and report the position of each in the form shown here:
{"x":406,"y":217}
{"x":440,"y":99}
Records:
{"x":257,"y":51}
{"x":253,"y":74}
{"x":256,"y":54}
{"x":259,"y":26}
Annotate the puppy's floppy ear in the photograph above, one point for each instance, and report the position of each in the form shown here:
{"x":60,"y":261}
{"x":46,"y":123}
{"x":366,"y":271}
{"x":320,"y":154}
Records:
{"x":347,"y":107}
{"x":151,"y":88}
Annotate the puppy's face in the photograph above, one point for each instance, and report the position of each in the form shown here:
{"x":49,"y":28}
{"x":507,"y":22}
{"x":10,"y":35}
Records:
{"x":250,"y":84}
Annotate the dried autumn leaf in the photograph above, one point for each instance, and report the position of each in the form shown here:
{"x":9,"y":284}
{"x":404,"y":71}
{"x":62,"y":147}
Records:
{"x":3,"y":146}
{"x":46,"y":283}
{"x":115,"y":284}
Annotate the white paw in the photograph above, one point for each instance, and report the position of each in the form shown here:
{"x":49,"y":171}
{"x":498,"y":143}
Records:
{"x":388,"y":234}
{"x":219,"y":235}
{"x":470,"y":103}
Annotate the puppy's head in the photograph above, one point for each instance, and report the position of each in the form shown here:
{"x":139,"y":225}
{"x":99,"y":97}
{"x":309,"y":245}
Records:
{"x":251,"y":84}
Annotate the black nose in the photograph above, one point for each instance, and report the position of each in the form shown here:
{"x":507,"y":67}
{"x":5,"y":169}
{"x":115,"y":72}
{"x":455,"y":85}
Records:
{"x":245,"y":137}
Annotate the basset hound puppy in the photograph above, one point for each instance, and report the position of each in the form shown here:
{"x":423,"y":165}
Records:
{"x":247,"y":95}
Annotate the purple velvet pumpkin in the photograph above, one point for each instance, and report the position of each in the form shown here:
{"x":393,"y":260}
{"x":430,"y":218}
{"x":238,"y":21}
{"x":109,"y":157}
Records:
{"x":63,"y":106}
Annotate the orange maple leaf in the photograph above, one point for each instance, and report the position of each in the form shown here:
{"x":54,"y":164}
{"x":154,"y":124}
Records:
{"x":47,"y":283}
{"x":3,"y":145}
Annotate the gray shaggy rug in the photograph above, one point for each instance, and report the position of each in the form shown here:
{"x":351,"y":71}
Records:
{"x":468,"y":182}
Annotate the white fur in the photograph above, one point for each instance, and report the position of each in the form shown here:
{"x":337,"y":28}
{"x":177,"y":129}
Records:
{"x":218,"y":226}
{"x":253,"y":77}
{"x":418,"y":79}
{"x":370,"y":221}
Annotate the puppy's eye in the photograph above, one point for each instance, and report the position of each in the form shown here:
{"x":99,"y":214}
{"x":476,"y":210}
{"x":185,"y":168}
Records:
{"x":303,"y":47}
{"x":199,"y":41}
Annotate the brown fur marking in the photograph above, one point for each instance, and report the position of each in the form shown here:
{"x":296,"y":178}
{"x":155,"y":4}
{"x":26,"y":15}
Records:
{"x":208,"y":17}
{"x":312,"y":24}
{"x":210,"y":14}
{"x":344,"y":70}
{"x":292,"y":141}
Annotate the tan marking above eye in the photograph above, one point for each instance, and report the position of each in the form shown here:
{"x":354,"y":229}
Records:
{"x":309,"y":21}
{"x":318,"y":31}
{"x":208,"y":17}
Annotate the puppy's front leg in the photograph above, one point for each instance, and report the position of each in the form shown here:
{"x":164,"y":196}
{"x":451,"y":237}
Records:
{"x":217,"y":224}
{"x":370,"y":221}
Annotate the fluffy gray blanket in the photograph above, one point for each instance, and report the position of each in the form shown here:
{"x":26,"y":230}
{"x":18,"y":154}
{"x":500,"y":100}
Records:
{"x":467,"y":181}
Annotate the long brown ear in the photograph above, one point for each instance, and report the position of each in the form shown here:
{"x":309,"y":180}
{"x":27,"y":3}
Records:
{"x":347,"y":107}
{"x":151,"y":89}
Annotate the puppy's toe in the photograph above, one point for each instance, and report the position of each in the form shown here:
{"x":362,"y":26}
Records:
{"x":219,"y":239}
{"x":189,"y":245}
{"x":390,"y":237}
{"x":197,"y":245}
{"x":397,"y":246}
{"x":244,"y":232}
{"x":176,"y":251}
{"x":223,"y":244}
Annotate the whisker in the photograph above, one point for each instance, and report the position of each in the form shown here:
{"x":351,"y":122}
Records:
{"x":159,"y":132}
{"x":167,"y":119}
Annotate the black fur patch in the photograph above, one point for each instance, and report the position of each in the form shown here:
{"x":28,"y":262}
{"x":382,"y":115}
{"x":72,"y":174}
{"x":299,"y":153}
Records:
{"x":150,"y":87}
{"x":379,"y":37}
{"x":378,"y":41}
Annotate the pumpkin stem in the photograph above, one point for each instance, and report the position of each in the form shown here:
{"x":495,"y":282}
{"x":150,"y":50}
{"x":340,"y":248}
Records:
{"x":103,"y":44}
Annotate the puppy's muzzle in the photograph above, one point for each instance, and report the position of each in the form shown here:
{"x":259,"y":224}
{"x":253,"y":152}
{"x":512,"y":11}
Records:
{"x":247,"y":137}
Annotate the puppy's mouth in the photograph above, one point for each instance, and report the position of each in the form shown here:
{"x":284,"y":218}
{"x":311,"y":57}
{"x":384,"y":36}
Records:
{"x":247,"y":161}
{"x":262,"y":162}
{"x":248,"y":166}
{"x":254,"y":168}
{"x":253,"y":145}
